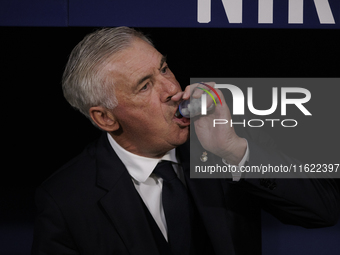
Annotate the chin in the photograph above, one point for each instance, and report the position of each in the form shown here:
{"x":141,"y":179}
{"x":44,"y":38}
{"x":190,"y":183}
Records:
{"x":183,"y":136}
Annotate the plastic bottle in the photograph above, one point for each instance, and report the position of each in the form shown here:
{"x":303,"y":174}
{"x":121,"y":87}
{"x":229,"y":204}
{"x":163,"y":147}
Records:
{"x":190,"y":108}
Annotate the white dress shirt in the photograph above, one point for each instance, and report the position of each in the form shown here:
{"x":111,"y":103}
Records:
{"x":148,"y":185}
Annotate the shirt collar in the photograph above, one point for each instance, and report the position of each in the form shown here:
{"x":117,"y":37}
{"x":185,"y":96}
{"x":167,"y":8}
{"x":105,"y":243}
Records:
{"x":139,"y":168}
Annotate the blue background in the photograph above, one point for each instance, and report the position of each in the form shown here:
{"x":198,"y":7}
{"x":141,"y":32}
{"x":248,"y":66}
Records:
{"x":149,"y":13}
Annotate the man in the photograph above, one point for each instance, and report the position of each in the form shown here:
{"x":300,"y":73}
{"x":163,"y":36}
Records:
{"x":110,"y":199}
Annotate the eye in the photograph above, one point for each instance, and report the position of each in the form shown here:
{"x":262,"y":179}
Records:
{"x":145,"y":87}
{"x":164,"y":70}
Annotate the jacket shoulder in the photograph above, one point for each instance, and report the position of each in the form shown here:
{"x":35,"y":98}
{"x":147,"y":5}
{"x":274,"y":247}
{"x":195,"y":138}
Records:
{"x":79,"y":170}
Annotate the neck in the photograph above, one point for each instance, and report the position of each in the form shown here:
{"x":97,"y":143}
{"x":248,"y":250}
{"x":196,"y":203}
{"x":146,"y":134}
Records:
{"x":139,"y":149}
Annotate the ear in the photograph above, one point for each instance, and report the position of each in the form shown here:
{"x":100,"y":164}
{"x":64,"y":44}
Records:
{"x":104,"y":118}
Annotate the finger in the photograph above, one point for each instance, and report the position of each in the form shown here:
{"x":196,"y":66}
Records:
{"x":222,"y":99}
{"x":178,"y":96}
{"x":189,"y":90}
{"x":193,"y":91}
{"x":210,"y":83}
{"x":204,"y":86}
{"x":216,"y":94}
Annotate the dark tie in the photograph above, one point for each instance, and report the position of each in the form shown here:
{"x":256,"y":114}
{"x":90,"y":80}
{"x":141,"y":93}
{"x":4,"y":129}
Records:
{"x":176,"y":208}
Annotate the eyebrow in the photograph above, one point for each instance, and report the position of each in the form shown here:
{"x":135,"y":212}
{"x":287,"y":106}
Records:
{"x":140,"y":81}
{"x":163,"y":60}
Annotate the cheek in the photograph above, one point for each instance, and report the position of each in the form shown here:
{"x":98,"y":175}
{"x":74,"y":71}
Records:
{"x":140,"y":116}
{"x":146,"y":112}
{"x":173,"y":79}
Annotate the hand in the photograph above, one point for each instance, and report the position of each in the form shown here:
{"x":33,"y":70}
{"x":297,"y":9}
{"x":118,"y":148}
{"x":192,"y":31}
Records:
{"x":221,"y":139}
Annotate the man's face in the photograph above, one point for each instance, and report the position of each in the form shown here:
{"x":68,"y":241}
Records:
{"x":144,"y":86}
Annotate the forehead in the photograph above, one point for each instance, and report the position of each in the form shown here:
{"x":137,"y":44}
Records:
{"x":134,"y":62}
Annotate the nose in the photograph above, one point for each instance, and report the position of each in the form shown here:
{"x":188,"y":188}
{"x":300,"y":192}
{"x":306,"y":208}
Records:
{"x":168,"y":88}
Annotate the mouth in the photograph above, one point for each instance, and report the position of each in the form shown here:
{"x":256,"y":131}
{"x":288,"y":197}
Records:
{"x":178,"y":114}
{"x":178,"y":118}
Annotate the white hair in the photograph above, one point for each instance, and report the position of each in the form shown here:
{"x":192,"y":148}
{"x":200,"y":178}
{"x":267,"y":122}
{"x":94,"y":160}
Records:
{"x":84,"y":83}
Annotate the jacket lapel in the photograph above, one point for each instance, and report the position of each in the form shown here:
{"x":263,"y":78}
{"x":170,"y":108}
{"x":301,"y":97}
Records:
{"x":125,"y":209}
{"x":122,"y":202}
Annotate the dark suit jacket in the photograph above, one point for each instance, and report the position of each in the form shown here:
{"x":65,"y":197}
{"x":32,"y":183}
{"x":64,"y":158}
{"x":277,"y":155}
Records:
{"x":90,"y":206}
